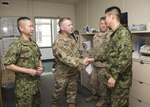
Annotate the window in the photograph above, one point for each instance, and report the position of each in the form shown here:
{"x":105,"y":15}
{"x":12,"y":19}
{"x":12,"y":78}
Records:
{"x":46,"y":31}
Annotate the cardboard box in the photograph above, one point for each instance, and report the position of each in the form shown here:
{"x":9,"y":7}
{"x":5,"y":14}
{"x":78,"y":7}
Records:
{"x":8,"y":76}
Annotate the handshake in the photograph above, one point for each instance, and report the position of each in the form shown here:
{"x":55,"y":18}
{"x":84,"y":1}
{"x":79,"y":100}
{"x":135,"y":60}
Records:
{"x":87,"y":60}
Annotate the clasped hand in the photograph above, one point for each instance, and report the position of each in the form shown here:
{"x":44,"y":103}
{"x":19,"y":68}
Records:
{"x":87,"y":60}
{"x":111,"y":82}
{"x":35,"y":72}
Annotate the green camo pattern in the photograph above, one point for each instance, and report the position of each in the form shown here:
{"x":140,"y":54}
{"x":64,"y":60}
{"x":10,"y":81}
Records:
{"x":27,"y":55}
{"x":68,"y":63}
{"x":119,"y":58}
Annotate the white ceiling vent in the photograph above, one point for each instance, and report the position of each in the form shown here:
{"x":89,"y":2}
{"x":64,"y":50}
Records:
{"x":5,"y":3}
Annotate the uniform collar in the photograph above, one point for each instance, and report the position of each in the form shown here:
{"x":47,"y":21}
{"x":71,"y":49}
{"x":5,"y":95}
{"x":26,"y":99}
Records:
{"x":25,"y":42}
{"x":118,"y":27}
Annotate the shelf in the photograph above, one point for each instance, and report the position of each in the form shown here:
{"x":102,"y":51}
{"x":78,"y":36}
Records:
{"x":88,"y":34}
{"x":146,"y":31}
{"x":136,"y":57}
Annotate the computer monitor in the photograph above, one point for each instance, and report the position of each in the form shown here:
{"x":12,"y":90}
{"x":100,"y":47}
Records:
{"x":124,"y":19}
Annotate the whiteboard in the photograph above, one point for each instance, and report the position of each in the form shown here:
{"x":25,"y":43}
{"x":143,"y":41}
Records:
{"x":46,"y":53}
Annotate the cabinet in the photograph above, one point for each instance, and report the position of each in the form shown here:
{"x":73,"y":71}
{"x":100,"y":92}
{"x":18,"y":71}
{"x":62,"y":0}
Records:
{"x":139,"y":94}
{"x":8,"y":33}
{"x":84,"y":76}
{"x":0,"y":75}
{"x":84,"y":38}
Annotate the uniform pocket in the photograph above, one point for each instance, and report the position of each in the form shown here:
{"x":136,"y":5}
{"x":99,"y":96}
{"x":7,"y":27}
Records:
{"x":25,"y":54}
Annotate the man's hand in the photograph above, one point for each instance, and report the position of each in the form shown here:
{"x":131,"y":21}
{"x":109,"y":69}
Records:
{"x":40,"y":70}
{"x":32,"y":72}
{"x":87,"y":60}
{"x":111,"y":82}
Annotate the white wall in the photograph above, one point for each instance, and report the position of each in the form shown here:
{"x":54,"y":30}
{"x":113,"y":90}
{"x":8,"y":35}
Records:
{"x":16,"y":8}
{"x":81,"y":17}
{"x":92,"y":10}
{"x":32,"y":9}
{"x":87,"y":12}
{"x":139,"y":11}
{"x":54,"y":10}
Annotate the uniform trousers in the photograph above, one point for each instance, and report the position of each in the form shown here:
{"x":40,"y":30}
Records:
{"x":27,"y":92}
{"x":65,"y":85}
{"x":118,"y":97}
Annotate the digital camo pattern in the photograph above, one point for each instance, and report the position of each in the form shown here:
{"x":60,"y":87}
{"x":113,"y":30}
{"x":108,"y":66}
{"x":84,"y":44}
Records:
{"x":27,"y":55}
{"x":100,"y":42}
{"x":119,"y":58}
{"x":68,"y":63}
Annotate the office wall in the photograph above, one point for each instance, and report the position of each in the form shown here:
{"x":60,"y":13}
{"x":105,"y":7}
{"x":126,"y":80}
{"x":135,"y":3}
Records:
{"x":16,"y":8}
{"x":138,"y":11}
{"x":92,"y":10}
{"x":81,"y":17}
{"x":87,"y":12}
{"x":53,"y":9}
{"x":35,"y":8}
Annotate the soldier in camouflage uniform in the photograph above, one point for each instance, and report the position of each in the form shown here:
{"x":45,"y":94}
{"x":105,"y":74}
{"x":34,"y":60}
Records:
{"x":68,"y":64}
{"x":23,"y":57}
{"x":100,"y":41}
{"x":119,"y":59}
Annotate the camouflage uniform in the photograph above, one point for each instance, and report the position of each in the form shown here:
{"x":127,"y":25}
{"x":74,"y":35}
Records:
{"x":27,"y":55}
{"x":100,"y":41}
{"x":119,"y":57}
{"x":67,"y":65}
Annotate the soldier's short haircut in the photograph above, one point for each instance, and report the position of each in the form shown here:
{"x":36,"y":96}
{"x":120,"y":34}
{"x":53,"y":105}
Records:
{"x":63,"y":19}
{"x":21,"y":19}
{"x":114,"y":9}
{"x":102,"y":18}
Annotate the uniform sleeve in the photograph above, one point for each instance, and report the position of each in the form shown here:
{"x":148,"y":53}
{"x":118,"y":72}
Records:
{"x":101,"y":44}
{"x":39,"y":52}
{"x":120,"y":55}
{"x":38,"y":49}
{"x":102,"y":57}
{"x":67,"y":55}
{"x":11,"y":55}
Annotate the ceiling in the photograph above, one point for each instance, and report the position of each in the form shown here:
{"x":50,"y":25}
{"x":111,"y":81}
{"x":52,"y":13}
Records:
{"x":61,"y":1}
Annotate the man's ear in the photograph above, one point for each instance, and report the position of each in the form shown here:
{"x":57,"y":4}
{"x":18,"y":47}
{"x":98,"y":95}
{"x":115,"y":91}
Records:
{"x":21,"y":28}
{"x":62,"y":28}
{"x":113,"y":16}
